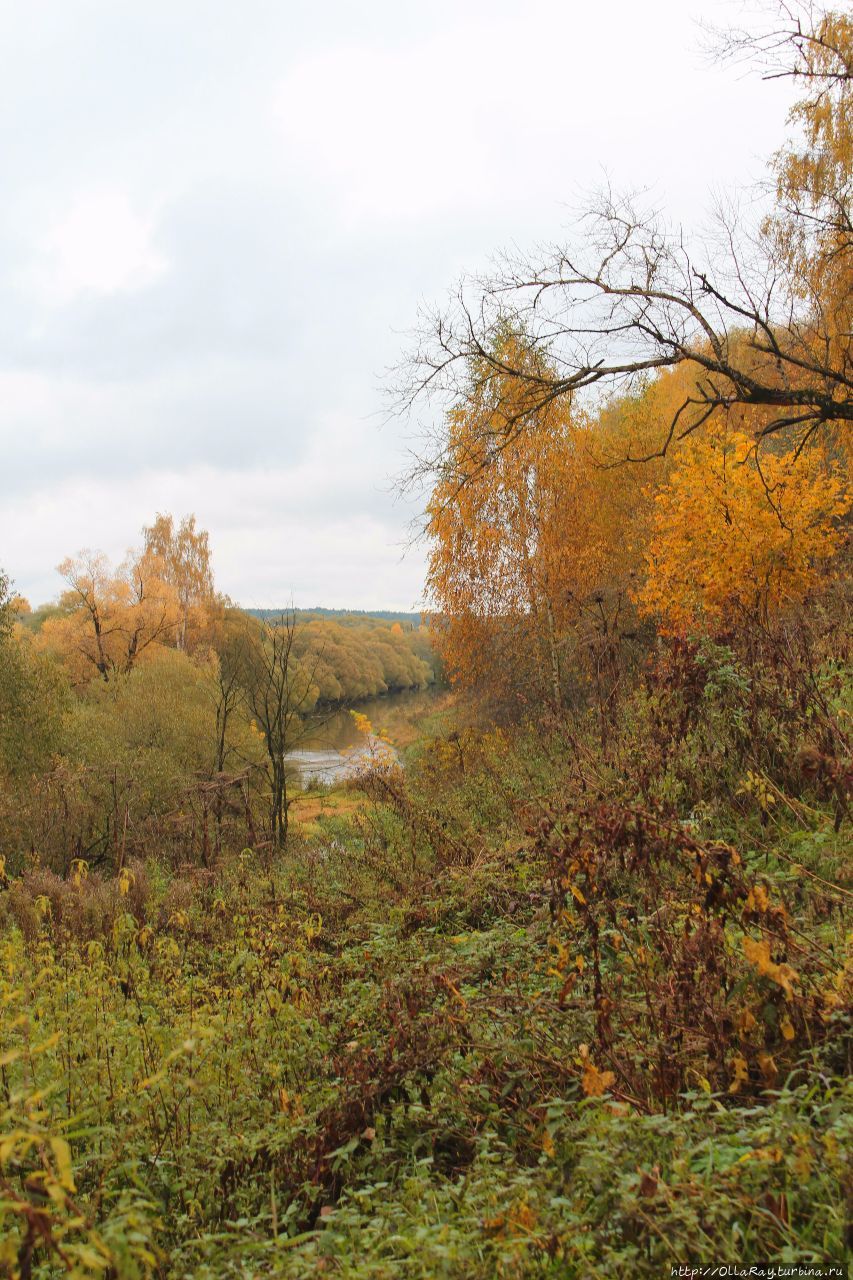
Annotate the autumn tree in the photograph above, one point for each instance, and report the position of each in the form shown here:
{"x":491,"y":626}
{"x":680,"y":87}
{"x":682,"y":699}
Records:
{"x":489,"y":573}
{"x":230,"y":651}
{"x":137,"y":749}
{"x":758,"y":317}
{"x":531,"y":547}
{"x":355,"y":658}
{"x":734,"y":542}
{"x":109,"y":617}
{"x":280,"y":693}
{"x":6,"y":610}
{"x":184,"y":553}
{"x":33,"y":696}
{"x":812,"y":226}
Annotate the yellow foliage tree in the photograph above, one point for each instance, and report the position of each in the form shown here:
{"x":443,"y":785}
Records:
{"x":491,"y":569}
{"x":111,"y":617}
{"x":813,"y":225}
{"x":735,"y":539}
{"x":183,"y":552}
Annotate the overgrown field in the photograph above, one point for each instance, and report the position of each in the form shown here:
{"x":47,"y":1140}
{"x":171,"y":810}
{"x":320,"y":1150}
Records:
{"x":520,"y":1011}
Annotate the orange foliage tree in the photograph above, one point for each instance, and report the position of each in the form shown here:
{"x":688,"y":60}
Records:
{"x":531,"y":552}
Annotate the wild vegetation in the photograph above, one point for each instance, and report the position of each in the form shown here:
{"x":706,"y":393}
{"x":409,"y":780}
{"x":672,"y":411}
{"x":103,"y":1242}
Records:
{"x":563,"y":989}
{"x":143,"y":710}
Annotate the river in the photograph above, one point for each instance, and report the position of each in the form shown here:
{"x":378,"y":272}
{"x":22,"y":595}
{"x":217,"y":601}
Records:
{"x":335,"y":747}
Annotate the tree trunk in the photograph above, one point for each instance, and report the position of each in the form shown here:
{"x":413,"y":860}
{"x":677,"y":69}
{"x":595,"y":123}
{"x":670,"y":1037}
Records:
{"x":278,"y":811}
{"x":556,"y":681}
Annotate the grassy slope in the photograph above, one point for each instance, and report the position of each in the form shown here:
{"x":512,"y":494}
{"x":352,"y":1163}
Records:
{"x":356,"y":1061}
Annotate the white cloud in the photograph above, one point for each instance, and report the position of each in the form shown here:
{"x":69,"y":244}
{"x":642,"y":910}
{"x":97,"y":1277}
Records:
{"x":508,"y":115}
{"x":370,"y":123}
{"x":269,"y":545}
{"x":100,"y":245}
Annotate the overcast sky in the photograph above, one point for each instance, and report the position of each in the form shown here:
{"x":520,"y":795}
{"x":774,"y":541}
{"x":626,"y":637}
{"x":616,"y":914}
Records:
{"x":218,"y":219}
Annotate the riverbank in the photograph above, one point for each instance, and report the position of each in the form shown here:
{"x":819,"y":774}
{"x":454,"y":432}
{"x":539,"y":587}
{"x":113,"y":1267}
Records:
{"x":347,"y":741}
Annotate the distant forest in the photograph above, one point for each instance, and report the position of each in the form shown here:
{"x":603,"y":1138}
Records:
{"x":344,"y":615}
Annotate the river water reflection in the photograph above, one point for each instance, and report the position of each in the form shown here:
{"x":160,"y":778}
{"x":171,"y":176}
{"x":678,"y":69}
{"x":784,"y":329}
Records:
{"x":335,"y":748}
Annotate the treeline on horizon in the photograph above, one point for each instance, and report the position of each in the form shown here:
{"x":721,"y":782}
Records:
{"x":413,"y":618}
